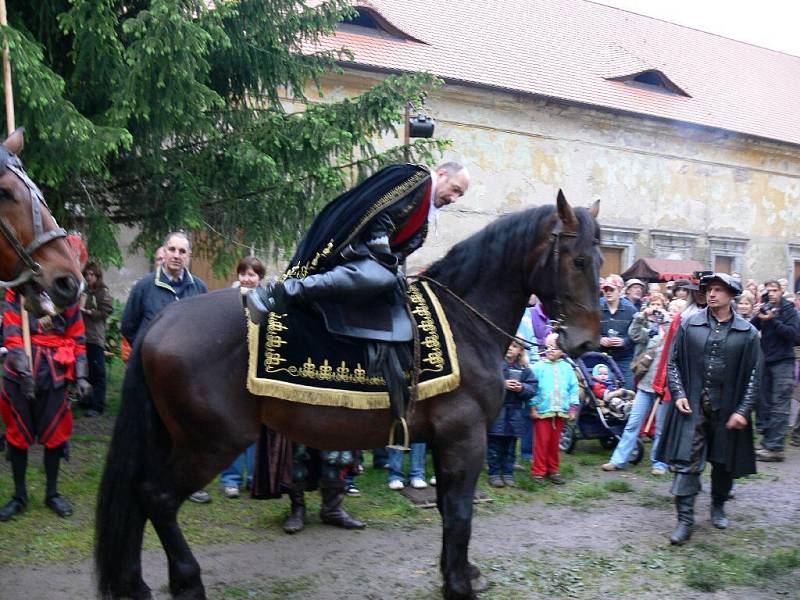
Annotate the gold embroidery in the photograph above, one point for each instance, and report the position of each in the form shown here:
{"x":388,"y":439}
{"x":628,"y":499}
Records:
{"x":434,"y":357}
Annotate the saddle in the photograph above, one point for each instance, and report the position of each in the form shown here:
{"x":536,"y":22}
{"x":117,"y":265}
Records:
{"x":301,"y":355}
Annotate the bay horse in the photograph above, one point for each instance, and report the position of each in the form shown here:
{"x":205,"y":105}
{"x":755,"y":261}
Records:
{"x":186,"y":413}
{"x":35,"y":257}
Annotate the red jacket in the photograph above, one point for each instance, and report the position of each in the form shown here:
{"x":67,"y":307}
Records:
{"x":58,"y":344}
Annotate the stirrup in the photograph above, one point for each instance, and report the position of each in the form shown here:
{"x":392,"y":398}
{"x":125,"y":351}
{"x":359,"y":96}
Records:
{"x":392,"y":439}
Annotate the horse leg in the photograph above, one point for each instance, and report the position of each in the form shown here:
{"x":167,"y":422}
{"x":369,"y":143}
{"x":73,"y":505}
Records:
{"x":185,"y":581}
{"x":457,"y":465}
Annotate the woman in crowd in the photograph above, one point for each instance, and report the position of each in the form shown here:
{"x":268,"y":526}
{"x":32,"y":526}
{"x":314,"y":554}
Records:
{"x":745,"y":304}
{"x":250,"y":272}
{"x":648,"y":330}
{"x":510,"y":423}
{"x":96,"y":306}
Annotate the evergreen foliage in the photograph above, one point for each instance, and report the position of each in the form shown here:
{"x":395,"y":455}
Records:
{"x":206,"y":116}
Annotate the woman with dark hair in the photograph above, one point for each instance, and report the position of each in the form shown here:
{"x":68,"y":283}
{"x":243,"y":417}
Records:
{"x":96,"y":305}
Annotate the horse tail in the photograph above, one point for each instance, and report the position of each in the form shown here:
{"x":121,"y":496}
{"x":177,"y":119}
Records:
{"x":120,"y":517}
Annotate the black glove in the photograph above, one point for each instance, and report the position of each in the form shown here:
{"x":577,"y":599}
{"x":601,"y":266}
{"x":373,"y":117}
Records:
{"x":19,"y":362}
{"x":84,"y":388}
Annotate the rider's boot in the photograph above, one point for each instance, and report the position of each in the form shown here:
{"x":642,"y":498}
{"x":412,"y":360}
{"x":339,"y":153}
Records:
{"x":295,"y":522}
{"x":331,"y":511}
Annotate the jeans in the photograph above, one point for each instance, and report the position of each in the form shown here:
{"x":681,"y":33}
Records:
{"x":501,"y":454}
{"x":642,"y":405}
{"x":526,"y":441}
{"x":233,"y":476}
{"x":417,"y":463}
{"x":778,"y":385}
{"x":96,"y":358}
{"x":624,"y":365}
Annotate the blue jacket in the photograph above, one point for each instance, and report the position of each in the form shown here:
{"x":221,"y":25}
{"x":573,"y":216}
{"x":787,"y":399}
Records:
{"x":152,"y":294}
{"x":620,"y":321}
{"x":557,"y":388}
{"x":513,"y":417}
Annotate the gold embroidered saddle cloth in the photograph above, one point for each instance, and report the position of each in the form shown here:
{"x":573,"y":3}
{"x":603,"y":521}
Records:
{"x":293,"y":357}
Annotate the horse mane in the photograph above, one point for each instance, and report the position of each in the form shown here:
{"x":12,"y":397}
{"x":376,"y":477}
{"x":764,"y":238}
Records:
{"x":502,"y":242}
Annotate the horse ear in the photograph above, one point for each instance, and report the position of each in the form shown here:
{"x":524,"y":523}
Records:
{"x":594,"y":209}
{"x":15,"y":142}
{"x":565,"y":212}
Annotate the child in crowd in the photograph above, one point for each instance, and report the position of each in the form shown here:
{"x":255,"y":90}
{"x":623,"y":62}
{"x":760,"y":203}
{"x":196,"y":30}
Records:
{"x":613,"y":402}
{"x":510,"y":423}
{"x":676,"y":307}
{"x":556,"y":398}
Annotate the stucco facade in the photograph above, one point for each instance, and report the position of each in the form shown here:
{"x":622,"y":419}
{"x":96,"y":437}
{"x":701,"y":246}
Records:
{"x":667,"y":189}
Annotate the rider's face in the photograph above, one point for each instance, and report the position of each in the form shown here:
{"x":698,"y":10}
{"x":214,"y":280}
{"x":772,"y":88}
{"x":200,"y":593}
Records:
{"x":450,"y":188}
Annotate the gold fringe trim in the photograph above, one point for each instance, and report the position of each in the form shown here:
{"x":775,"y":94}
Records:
{"x":295,"y":392}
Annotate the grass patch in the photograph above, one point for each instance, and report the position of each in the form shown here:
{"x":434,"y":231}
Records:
{"x":705,"y":577}
{"x":778,"y":563}
{"x":618,"y":486}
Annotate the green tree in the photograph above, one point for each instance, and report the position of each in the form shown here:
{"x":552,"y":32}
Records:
{"x":167,"y":114}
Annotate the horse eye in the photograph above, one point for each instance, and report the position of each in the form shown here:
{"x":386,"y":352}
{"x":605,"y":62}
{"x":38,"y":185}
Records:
{"x":579,"y":262}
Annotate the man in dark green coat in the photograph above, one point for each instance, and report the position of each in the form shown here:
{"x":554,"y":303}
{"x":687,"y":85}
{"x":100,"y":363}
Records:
{"x":714,"y":374}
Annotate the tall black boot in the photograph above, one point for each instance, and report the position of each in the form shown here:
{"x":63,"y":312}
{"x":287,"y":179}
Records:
{"x":331,"y":511}
{"x":18,"y":503}
{"x":721,"y":484}
{"x":53,"y":500}
{"x":295,"y":522}
{"x":684,"y":506}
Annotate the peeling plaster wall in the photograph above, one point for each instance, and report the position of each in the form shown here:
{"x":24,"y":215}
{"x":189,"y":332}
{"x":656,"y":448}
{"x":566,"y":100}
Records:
{"x":649,"y":174}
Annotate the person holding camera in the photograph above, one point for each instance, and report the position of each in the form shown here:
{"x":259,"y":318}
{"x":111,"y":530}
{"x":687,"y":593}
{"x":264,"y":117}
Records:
{"x":777,"y":320}
{"x":648,"y":331}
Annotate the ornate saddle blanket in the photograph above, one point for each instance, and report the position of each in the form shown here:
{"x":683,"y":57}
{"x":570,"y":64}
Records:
{"x":293,"y":357}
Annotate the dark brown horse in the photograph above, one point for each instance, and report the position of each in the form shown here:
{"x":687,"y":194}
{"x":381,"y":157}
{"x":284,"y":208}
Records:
{"x":186,"y":413}
{"x":35,"y":257}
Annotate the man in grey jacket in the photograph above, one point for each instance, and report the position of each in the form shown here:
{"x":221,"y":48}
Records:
{"x":714,"y":374}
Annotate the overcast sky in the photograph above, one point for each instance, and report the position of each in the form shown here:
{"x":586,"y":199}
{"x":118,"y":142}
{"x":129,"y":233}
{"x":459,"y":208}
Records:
{"x":773,"y":24}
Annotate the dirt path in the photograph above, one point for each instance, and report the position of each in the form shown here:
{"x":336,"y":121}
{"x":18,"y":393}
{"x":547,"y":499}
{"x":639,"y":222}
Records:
{"x":608,"y":546}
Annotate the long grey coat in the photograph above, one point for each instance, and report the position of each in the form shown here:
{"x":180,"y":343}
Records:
{"x":744,"y":360}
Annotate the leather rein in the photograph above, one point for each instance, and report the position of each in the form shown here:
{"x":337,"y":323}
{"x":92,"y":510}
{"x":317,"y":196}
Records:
{"x":30,"y":268}
{"x":554,"y":252}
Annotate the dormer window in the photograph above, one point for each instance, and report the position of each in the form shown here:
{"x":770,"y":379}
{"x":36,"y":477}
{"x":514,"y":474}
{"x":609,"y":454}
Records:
{"x":364,"y":18}
{"x":652,"y":79}
{"x":367,"y":21}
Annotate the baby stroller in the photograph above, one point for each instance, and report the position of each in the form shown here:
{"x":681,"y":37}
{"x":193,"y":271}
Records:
{"x":591,"y":424}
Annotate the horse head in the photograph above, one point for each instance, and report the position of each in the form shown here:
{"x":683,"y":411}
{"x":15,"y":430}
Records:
{"x":566,"y":275}
{"x":35,"y":257}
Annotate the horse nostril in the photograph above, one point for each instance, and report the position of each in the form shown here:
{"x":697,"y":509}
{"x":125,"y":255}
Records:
{"x":66,"y":288}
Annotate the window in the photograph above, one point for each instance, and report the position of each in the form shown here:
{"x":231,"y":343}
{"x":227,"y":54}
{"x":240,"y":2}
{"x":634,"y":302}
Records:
{"x":612,"y":261}
{"x":618,"y":247}
{"x":727,"y":253}
{"x":651,"y":79}
{"x":363,"y":18}
{"x":723,"y":264}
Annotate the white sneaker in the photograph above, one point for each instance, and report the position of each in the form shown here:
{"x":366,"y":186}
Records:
{"x":231,"y":491}
{"x":201,"y":497}
{"x":418,"y":484}
{"x":396,"y":484}
{"x":432,"y":481}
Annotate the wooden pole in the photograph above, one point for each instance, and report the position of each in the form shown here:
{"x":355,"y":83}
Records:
{"x":10,"y":125}
{"x":652,"y":416}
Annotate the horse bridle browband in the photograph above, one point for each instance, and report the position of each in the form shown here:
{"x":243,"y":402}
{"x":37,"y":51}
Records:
{"x":30,"y":268}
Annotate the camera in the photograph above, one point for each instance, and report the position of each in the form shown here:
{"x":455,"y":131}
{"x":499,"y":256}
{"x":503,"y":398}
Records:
{"x":658,"y":315}
{"x":766,"y":306}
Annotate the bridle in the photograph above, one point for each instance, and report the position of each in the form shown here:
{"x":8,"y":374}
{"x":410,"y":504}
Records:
{"x":554,"y":253}
{"x":29,"y":268}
